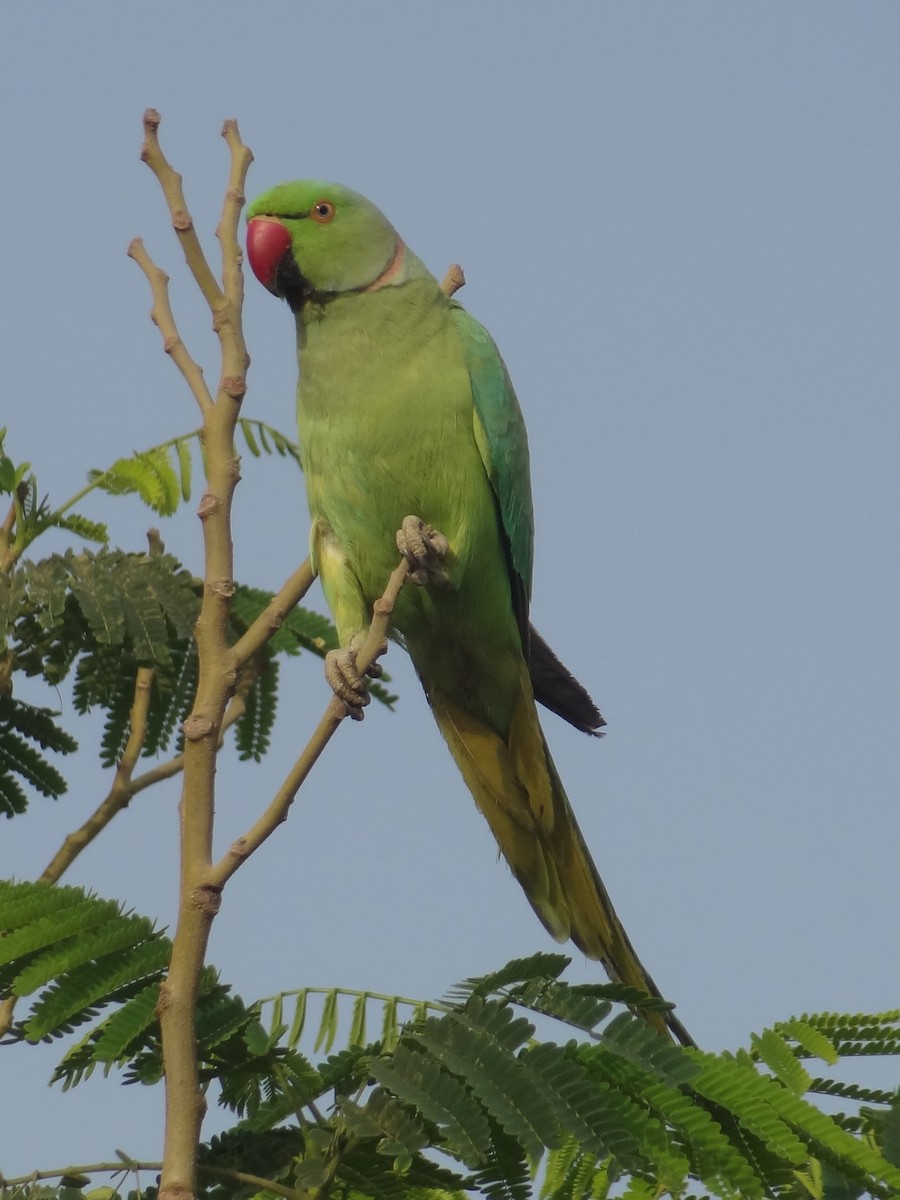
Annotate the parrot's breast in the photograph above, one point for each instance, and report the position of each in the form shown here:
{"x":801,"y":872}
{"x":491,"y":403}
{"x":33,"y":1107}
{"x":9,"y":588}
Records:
{"x":386,"y":423}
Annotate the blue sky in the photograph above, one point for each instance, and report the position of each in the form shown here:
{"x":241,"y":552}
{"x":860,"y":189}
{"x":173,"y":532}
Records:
{"x":679,"y":221}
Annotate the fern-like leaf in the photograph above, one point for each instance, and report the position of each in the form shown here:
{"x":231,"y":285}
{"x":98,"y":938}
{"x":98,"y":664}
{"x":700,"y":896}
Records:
{"x":149,"y":474}
{"x":440,"y":1096}
{"x":773,"y":1050}
{"x":269,"y":439}
{"x":76,"y":996}
{"x":253,"y":731}
{"x":398,"y":1131}
{"x":476,"y":1044}
{"x":542,"y":967}
{"x":82,"y":527}
{"x":20,"y":721}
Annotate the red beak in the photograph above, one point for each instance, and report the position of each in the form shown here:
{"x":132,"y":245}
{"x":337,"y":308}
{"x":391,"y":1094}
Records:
{"x":267,"y":243}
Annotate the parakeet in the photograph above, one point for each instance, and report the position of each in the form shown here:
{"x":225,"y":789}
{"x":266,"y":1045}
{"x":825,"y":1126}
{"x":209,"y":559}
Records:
{"x":406,"y":407}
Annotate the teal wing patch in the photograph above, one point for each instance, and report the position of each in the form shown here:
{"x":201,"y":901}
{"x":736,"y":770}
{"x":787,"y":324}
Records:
{"x":500,"y":434}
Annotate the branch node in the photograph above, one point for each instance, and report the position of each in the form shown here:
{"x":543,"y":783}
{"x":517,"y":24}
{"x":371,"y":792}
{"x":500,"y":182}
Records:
{"x":222,"y":587}
{"x":208,"y":899}
{"x":196,"y":728}
{"x":164,"y":999}
{"x":234,"y":386}
{"x":175,"y":1191}
{"x":182,"y":222}
{"x":207,"y":506}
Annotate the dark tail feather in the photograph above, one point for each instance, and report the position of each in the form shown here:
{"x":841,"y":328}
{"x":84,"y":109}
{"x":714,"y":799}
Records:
{"x":557,"y":688}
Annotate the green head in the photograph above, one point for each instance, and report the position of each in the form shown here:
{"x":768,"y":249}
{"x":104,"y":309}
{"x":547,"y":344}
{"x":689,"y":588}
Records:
{"x":311,"y":240}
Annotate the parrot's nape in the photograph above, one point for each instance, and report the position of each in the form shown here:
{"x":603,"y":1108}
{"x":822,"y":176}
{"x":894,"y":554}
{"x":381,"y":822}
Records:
{"x":405,"y":407}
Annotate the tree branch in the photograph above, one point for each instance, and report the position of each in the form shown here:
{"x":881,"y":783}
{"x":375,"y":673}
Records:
{"x":121,"y":793}
{"x":182,"y":221}
{"x":132,"y":1166}
{"x":453,"y":280}
{"x":277,"y":811}
{"x":217,"y":675}
{"x":122,"y":788}
{"x":162,"y":318}
{"x":270,"y":619}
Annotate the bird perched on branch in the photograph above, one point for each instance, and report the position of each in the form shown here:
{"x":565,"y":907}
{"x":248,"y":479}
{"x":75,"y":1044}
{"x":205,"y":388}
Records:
{"x":405,"y":407}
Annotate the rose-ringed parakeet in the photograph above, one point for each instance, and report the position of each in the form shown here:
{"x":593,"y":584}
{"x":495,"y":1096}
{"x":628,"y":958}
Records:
{"x":405,"y":407}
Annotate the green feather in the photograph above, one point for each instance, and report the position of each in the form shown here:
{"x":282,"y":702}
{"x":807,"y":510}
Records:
{"x":502,"y":441}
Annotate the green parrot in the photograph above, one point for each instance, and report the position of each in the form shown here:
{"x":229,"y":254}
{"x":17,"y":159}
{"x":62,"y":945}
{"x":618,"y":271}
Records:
{"x":405,"y":407}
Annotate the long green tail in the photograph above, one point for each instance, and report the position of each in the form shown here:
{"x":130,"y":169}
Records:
{"x":517,"y":788}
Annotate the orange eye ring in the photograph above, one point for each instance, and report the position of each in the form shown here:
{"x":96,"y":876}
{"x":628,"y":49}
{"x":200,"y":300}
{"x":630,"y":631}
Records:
{"x":322,"y":211}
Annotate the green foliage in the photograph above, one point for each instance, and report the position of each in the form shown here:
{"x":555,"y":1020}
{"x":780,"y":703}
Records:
{"x":73,"y":955}
{"x":102,"y":615}
{"x":473,"y":1083}
{"x":21,"y":725}
{"x":150,"y":474}
{"x":461,"y":1096}
{"x":162,"y":476}
{"x":12,"y":474}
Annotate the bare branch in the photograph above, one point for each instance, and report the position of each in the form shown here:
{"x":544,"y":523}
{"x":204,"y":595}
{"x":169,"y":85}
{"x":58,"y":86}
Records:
{"x":122,"y":788}
{"x":217,"y":675}
{"x":161,"y":315}
{"x":277,"y":811}
{"x":453,"y":280}
{"x":182,"y":222}
{"x":132,"y":1166}
{"x":270,"y":619}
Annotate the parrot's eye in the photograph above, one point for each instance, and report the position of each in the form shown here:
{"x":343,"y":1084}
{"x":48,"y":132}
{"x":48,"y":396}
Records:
{"x":322,"y":211}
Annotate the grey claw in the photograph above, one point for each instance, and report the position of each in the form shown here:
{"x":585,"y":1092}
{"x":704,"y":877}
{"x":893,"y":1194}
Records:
{"x":346,"y":682}
{"x":425,"y":549}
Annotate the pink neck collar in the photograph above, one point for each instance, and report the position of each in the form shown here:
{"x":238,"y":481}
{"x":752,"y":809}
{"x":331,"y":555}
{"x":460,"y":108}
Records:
{"x":391,"y":271}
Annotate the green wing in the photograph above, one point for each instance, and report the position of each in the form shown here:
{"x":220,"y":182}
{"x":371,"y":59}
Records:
{"x":500,"y":434}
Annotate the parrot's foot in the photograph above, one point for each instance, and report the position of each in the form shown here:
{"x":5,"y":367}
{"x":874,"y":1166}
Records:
{"x":344,"y":679}
{"x":425,"y":550}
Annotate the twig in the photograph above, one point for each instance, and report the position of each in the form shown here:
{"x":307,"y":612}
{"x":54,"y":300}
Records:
{"x":270,"y":619}
{"x":182,"y":221}
{"x":122,"y":788}
{"x":226,"y":232}
{"x":161,"y":315}
{"x":132,"y":1166}
{"x":122,"y":792}
{"x":277,"y":811}
{"x":453,"y":280}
